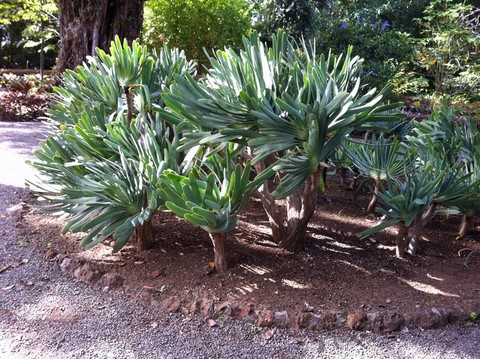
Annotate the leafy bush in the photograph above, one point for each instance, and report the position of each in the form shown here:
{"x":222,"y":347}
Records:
{"x":12,"y":81}
{"x":108,"y":146}
{"x":449,"y":49}
{"x":23,"y":106}
{"x":196,"y":25}
{"x":381,"y":46}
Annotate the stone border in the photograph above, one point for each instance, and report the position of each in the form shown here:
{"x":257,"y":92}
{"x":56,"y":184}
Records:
{"x":382,"y":321}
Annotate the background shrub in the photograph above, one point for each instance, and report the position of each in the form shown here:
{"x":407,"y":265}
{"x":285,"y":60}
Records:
{"x":23,"y":106}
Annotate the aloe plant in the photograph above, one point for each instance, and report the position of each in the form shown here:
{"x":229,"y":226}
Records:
{"x":377,"y":160}
{"x":211,"y":195}
{"x":441,"y":174}
{"x":459,"y":144}
{"x":103,"y":159}
{"x":289,"y":107}
{"x":406,"y":203}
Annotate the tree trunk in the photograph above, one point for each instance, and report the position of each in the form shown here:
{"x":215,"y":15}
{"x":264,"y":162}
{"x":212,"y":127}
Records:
{"x":289,"y":222}
{"x":144,"y":236}
{"x":218,"y":240}
{"x":401,"y":240}
{"x":419,"y":225}
{"x":374,"y":200}
{"x":464,"y":226}
{"x":144,"y":233}
{"x":87,"y":24}
{"x":414,"y":240}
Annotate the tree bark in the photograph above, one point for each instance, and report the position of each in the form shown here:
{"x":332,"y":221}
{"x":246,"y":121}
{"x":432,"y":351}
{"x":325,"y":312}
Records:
{"x":87,"y":24}
{"x":419,"y":225}
{"x":401,"y":240}
{"x":374,"y":200}
{"x":464,"y":226}
{"x":144,"y":233}
{"x":414,"y":240}
{"x":289,"y":222}
{"x":218,"y":240}
{"x":144,"y":236}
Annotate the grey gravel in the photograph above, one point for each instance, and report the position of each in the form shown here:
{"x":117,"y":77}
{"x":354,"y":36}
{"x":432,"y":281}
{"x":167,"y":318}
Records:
{"x":45,"y":313}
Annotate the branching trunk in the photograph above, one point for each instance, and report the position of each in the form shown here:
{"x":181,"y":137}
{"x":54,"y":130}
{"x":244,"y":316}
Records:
{"x":218,"y":240}
{"x":87,"y":24}
{"x":289,"y":222}
{"x":464,"y":226}
{"x":419,"y":225}
{"x":374,"y":200}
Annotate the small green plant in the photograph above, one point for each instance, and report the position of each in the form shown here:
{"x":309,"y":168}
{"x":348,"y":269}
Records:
{"x":473,"y":315}
{"x":254,"y":329}
{"x":162,"y":289}
{"x":21,"y":242}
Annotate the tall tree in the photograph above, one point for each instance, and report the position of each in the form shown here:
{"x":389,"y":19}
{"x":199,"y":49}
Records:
{"x":87,"y":24}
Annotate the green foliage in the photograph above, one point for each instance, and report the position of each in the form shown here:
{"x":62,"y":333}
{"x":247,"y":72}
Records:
{"x":445,"y":172}
{"x":26,"y":28}
{"x":295,"y":17}
{"x":102,"y":80}
{"x":382,"y":47}
{"x":283,"y":101}
{"x":194,"y":25}
{"x":97,"y":168}
{"x":449,"y":50}
{"x":378,"y":159}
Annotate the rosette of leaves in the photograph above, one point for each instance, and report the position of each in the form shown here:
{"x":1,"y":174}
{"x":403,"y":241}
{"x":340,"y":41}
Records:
{"x":104,"y":179}
{"x":210,"y":198}
{"x":458,"y":142}
{"x":289,"y":107}
{"x":107,"y":79}
{"x":404,"y":202}
{"x":97,"y":167}
{"x":377,"y":160}
{"x":410,"y":202}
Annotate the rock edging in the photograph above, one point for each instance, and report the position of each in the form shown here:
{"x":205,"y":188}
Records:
{"x":381,"y":321}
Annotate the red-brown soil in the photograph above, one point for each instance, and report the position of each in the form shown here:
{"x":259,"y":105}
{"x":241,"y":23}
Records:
{"x":337,"y":271}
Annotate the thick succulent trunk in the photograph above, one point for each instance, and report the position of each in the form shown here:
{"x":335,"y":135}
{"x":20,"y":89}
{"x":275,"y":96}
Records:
{"x":402,"y":240}
{"x":218,"y":240}
{"x":464,"y":226}
{"x":289,"y":222}
{"x":418,"y":226}
{"x":87,"y":24}
{"x":374,"y":200}
{"x":144,"y":234}
{"x":416,"y":234}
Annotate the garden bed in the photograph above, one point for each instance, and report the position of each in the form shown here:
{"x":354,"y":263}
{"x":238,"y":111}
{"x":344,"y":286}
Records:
{"x":340,"y":280}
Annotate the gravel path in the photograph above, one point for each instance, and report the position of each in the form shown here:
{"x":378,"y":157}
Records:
{"x":47,"y":314}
